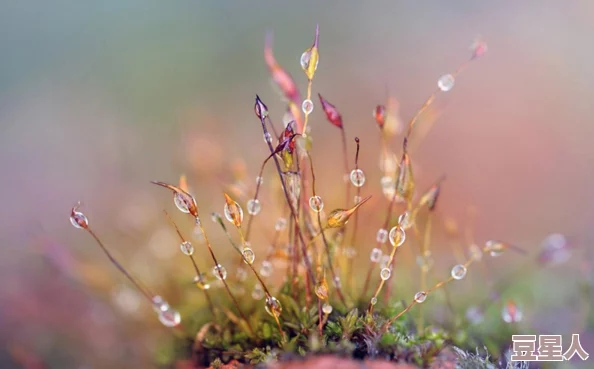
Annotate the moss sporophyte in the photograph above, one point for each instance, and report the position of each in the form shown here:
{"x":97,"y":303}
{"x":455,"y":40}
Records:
{"x":312,"y":310}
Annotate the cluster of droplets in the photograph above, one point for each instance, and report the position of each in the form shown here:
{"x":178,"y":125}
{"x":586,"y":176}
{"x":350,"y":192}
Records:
{"x":168,"y":316}
{"x":357,"y":178}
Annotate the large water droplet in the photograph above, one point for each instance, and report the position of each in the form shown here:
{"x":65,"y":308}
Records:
{"x":316,"y":204}
{"x":187,"y":248}
{"x":307,"y":106}
{"x":327,"y":308}
{"x":233,"y":210}
{"x":420,"y":296}
{"x":273,"y":306}
{"x":219,"y":272}
{"x":458,"y":271}
{"x":254,"y":206}
{"x":397,"y":236}
{"x":248,"y":255}
{"x":446,"y":82}
{"x":385,"y":274}
{"x":357,"y":177}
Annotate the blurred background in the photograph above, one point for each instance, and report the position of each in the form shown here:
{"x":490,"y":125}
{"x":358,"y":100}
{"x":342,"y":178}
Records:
{"x":97,"y":99}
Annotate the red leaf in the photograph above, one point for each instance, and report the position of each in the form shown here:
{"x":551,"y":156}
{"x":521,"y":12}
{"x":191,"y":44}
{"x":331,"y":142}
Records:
{"x":332,"y":114}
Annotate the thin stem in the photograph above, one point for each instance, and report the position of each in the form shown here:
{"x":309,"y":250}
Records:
{"x":196,"y":269}
{"x":356,"y":223}
{"x":258,"y":183}
{"x":327,"y":247}
{"x":306,"y":118}
{"x":214,"y":258}
{"x":136,"y":284}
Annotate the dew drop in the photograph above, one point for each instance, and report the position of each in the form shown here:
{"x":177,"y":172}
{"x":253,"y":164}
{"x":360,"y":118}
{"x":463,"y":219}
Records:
{"x":446,"y":82}
{"x":357,"y":177}
{"x":248,"y":255}
{"x":327,"y":308}
{"x":305,"y":58}
{"x":159,"y":304}
{"x":384,"y":261}
{"x":357,"y":199}
{"x":420,"y":296}
{"x":375,"y":255}
{"x":181,"y":202}
{"x":254,"y":206}
{"x":219,"y":272}
{"x":307,"y":106}
{"x":373,"y":300}
{"x":187,"y":248}
{"x":233,"y":210}
{"x":267,"y":138}
{"x":258,"y":292}
{"x":169,"y":317}
{"x":404,"y":220}
{"x":316,"y":204}
{"x":241,"y":274}
{"x":273,"y":306}
{"x":458,"y":271}
{"x":476,"y":254}
{"x":397,"y":236}
{"x":385,"y":274}
{"x":201,"y":281}
{"x":78,"y":219}
{"x":266,"y":268}
{"x":495,"y":248}
{"x":382,"y":235}
{"x":259,"y":180}
{"x":337,"y":282}
{"x":281,"y":224}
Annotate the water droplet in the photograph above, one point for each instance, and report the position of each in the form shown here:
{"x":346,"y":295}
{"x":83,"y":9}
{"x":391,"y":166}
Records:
{"x":267,"y":138}
{"x":357,"y":177}
{"x":373,"y":300}
{"x":511,"y":313}
{"x":316,"y":204}
{"x":397,"y":236}
{"x":425,"y":262}
{"x":201,"y":281}
{"x":458,"y":271}
{"x":219,"y":272}
{"x":404,"y":220}
{"x":273,"y":306}
{"x":474,"y":315}
{"x":181,"y":202}
{"x":476,"y":254}
{"x":382,"y":235}
{"x":266,"y":268}
{"x":375,"y":255}
{"x":385,"y":274}
{"x":305,"y":58}
{"x":337,"y":282}
{"x":78,"y":219}
{"x":187,"y":248}
{"x":321,"y":289}
{"x":169,"y":317}
{"x":327,"y":308}
{"x":420,"y":296}
{"x":446,"y":82}
{"x":233,"y":213}
{"x":350,"y":252}
{"x":280,"y":225}
{"x":254,"y":206}
{"x":495,"y":248}
{"x":241,"y":274}
{"x":248,"y":255}
{"x":357,"y":199}
{"x":384,"y":261}
{"x":307,"y":106}
{"x":258,"y":292}
{"x":159,"y":304}
{"x":259,"y":180}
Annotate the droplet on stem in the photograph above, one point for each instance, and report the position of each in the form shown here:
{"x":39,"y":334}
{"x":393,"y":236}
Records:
{"x":219,"y":272}
{"x":446,"y":82}
{"x":266,"y":268}
{"x":476,"y":254}
{"x":254,"y":206}
{"x":258,"y":292}
{"x":233,"y":211}
{"x":327,"y":308}
{"x":273,"y":306}
{"x":382,"y":235}
{"x":373,"y":300}
{"x":248,"y":255}
{"x":397,"y":236}
{"x":170,"y":317}
{"x":187,"y":248}
{"x":201,"y":282}
{"x":385,"y":274}
{"x":458,"y":271}
{"x":307,"y":106}
{"x":375,"y":255}
{"x":78,"y":219}
{"x":316,"y":204}
{"x":357,"y":177}
{"x":405,"y":220}
{"x":420,"y":296}
{"x":384,"y":261}
{"x":281,"y":224}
